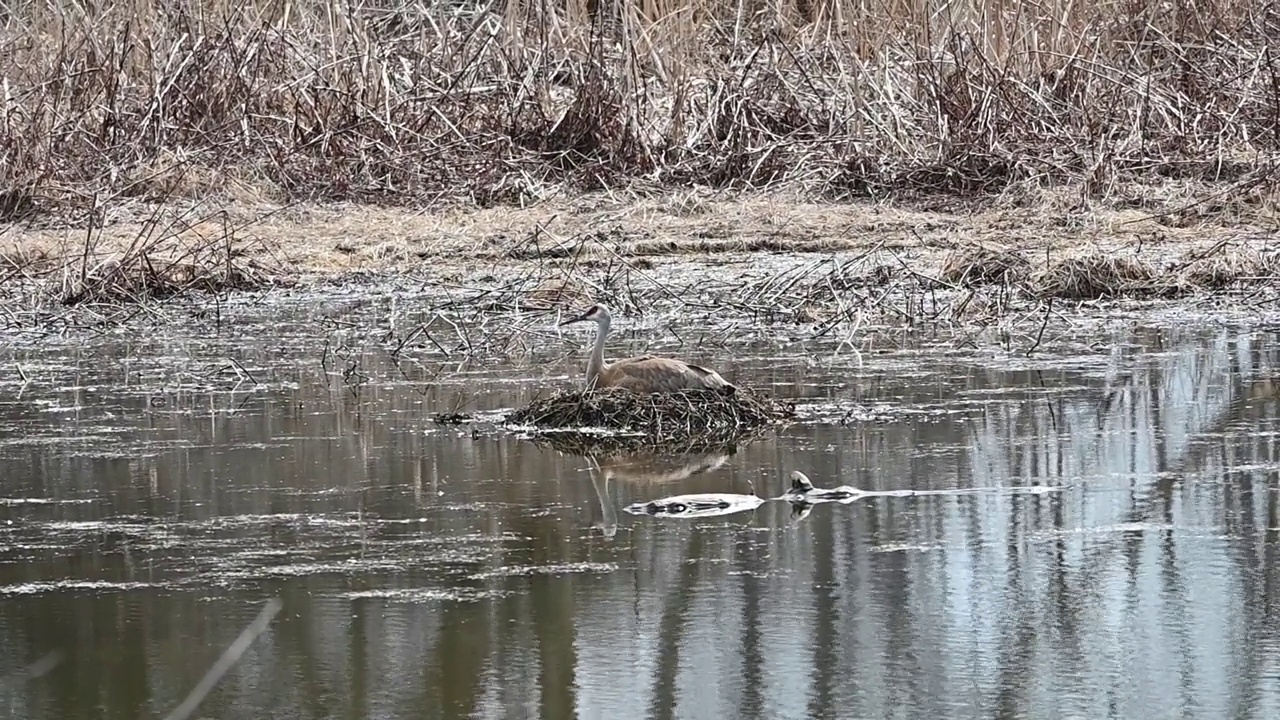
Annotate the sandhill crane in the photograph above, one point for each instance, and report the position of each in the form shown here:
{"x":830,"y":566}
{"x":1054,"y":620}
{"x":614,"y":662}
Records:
{"x":644,"y":373}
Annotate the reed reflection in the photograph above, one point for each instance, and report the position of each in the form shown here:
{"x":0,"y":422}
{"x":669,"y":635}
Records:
{"x":1093,"y":534}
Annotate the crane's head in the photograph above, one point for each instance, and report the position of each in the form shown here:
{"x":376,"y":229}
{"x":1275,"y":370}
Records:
{"x":800,"y":482}
{"x":596,"y":313}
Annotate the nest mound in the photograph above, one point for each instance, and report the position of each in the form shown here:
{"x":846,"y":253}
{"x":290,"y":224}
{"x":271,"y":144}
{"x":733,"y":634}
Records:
{"x":684,"y":417}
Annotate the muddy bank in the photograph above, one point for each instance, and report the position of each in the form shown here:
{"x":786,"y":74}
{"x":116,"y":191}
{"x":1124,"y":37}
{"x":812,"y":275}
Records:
{"x":749,"y":256}
{"x":330,"y":240}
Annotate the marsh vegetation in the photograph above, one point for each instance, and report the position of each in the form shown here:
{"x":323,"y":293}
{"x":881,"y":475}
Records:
{"x":152,"y":148}
{"x":404,"y":102}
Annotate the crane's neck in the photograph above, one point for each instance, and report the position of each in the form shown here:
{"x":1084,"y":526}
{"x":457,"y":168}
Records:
{"x":595,"y":365}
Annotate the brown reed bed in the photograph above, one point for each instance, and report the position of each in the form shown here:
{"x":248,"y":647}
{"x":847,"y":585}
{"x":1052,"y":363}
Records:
{"x":677,"y":419}
{"x":1095,"y":275}
{"x":1104,"y":275}
{"x":171,"y":254}
{"x":387,"y":101}
{"x":148,"y":272}
{"x":979,"y":265}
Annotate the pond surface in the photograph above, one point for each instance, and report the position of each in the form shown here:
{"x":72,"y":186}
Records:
{"x":159,"y":487}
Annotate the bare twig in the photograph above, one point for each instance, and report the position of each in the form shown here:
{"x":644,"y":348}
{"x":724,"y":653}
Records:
{"x":228,"y":658}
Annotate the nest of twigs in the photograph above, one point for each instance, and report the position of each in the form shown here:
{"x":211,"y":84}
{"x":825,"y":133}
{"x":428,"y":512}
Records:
{"x":685,"y":418}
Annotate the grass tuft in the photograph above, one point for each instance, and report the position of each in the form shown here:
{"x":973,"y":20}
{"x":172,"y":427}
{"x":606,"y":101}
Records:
{"x":1101,"y":275}
{"x":143,"y":275}
{"x":979,"y":265}
{"x":1098,"y":275}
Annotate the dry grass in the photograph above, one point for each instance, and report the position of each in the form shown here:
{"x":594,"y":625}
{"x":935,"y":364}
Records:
{"x":608,"y":227}
{"x":168,"y":255}
{"x":1089,"y":277}
{"x":676,"y":419}
{"x":982,"y":265}
{"x":394,"y":102}
{"x":1096,"y":274}
{"x":157,"y":270}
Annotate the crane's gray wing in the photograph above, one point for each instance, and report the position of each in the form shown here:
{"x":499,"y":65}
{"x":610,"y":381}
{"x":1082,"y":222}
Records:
{"x":703,"y":372}
{"x":655,"y":374}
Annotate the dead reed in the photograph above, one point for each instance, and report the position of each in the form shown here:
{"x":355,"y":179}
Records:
{"x":389,"y":101}
{"x":151,"y":271}
{"x":980,"y":265}
{"x":660,"y":418}
{"x":1095,"y":275}
{"x":171,"y":254}
{"x":1104,"y":275}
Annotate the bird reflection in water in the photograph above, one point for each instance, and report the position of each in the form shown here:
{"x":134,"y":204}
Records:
{"x":648,"y":468}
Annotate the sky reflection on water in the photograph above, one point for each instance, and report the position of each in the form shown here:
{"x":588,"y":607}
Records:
{"x":150,"y":502}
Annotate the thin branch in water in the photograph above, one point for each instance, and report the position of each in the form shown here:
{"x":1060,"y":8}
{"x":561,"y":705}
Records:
{"x":240,"y":369}
{"x":37,"y":669}
{"x":1040,"y":335}
{"x":228,"y":658}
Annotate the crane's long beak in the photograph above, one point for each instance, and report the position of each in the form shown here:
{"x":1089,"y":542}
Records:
{"x":577,"y":319}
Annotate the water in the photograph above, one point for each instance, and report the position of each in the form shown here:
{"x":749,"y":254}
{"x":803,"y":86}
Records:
{"x":158,"y":488}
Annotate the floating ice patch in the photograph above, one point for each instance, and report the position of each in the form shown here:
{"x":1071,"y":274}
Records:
{"x":557,"y":569}
{"x":905,"y":547}
{"x":36,"y":588}
{"x":44,"y":501}
{"x":342,"y":567}
{"x":696,"y":506}
{"x":424,"y":595}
